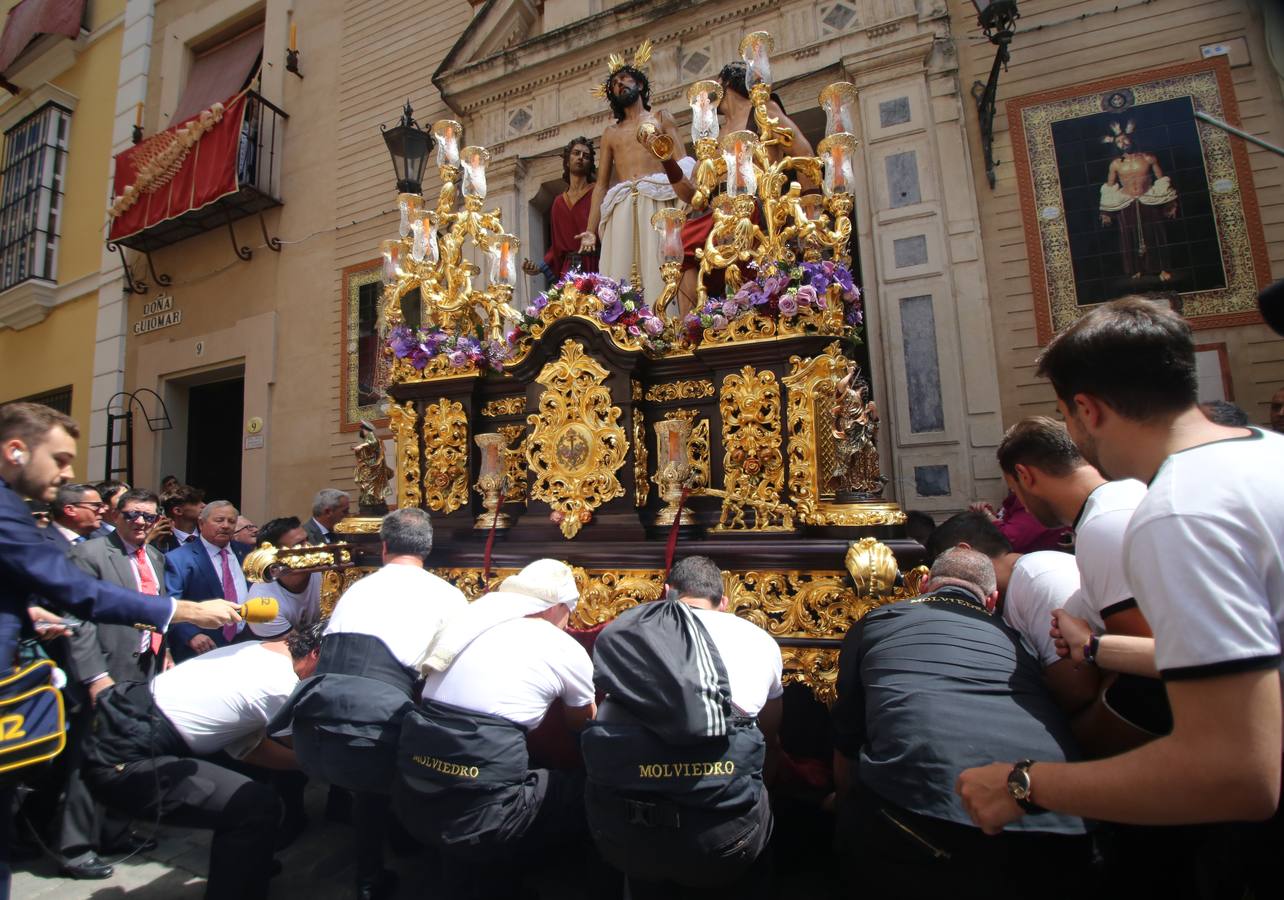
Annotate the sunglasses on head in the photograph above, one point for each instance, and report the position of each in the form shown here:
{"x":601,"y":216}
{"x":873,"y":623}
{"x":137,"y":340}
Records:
{"x":135,"y":515}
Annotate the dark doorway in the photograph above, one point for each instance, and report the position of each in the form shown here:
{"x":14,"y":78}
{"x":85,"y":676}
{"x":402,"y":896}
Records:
{"x":214,"y":414}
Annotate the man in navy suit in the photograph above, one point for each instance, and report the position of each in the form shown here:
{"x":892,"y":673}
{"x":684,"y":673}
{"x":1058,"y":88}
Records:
{"x":37,"y":449}
{"x":209,"y":566}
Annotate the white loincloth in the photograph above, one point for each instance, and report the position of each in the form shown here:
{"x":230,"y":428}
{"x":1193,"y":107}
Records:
{"x":630,"y":248}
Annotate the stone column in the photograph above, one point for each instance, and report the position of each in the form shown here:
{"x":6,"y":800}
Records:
{"x":928,"y":318}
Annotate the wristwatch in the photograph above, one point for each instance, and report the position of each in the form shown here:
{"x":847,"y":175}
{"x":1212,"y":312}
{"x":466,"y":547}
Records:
{"x":1019,"y":786}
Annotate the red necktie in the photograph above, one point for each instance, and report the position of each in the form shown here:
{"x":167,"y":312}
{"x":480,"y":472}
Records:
{"x":229,"y":594}
{"x":147,"y":584}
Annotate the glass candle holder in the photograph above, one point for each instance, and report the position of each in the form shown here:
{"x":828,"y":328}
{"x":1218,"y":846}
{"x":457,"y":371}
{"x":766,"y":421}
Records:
{"x":838,"y":152}
{"x":391,"y":250}
{"x":704,"y":97}
{"x":737,"y":150}
{"x":409,"y":206}
{"x":448,"y":133}
{"x":474,"y":160}
{"x":491,"y":445}
{"x":669,"y":222}
{"x":424,"y":239}
{"x":839,"y":103}
{"x":503,"y":259}
{"x":813,"y":206}
{"x":755,"y":48}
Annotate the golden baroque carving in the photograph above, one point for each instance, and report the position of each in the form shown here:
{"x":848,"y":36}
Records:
{"x":815,"y":667}
{"x":504,"y":406}
{"x":914,"y":581}
{"x":811,"y":392}
{"x":515,"y":462}
{"x":445,"y":429}
{"x":860,"y":515}
{"x":872,"y":566}
{"x":403,"y":420}
{"x":753,"y":465}
{"x":641,"y":483}
{"x":681,"y":390}
{"x":571,"y":302}
{"x":576,"y":445}
{"x":635,"y":387}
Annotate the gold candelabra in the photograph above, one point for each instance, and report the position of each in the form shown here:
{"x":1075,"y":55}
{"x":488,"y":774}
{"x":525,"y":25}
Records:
{"x":430,"y":253}
{"x":766,"y":220}
{"x":673,"y":470}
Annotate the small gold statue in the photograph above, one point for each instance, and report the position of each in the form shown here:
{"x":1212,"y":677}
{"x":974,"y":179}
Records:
{"x":372,"y":473}
{"x":856,"y":474}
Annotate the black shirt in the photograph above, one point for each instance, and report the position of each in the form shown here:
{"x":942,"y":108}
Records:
{"x":931,"y":686}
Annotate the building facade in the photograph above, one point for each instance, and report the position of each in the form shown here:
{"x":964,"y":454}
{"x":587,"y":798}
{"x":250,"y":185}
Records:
{"x":274,"y":359}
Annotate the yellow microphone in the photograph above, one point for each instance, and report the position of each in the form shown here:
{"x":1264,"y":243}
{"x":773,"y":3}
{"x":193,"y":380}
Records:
{"x":259,"y":610}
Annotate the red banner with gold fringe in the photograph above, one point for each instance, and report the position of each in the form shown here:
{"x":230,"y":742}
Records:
{"x":185,"y":167}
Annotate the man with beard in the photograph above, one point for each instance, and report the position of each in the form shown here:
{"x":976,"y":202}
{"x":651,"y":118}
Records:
{"x":568,"y":218}
{"x":640,"y":175}
{"x":1138,"y":196}
{"x":1204,"y":553}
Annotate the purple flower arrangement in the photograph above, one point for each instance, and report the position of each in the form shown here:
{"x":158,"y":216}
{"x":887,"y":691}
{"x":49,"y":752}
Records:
{"x":462,"y":351}
{"x":780,"y":293}
{"x":623,"y":306}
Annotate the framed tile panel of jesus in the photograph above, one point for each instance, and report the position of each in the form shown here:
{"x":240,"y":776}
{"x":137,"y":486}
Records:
{"x":1124,"y":191}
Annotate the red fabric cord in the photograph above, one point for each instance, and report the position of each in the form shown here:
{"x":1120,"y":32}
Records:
{"x":490,"y":543}
{"x":673,"y":534}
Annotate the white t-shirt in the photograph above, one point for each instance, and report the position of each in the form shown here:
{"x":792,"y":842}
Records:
{"x":403,"y":606}
{"x":293,"y":610}
{"x":515,"y":670}
{"x":223,"y":700}
{"x":1205,"y":553}
{"x":1098,"y":546}
{"x":1040,"y":582}
{"x":752,"y":658}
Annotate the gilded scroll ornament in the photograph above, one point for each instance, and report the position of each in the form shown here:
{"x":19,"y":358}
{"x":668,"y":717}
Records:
{"x":872,"y":566}
{"x":576,"y":445}
{"x":753,"y":464}
{"x":445,"y":429}
{"x":371,"y":473}
{"x":681,"y":390}
{"x":515,"y":462}
{"x":403,"y":419}
{"x":504,"y":406}
{"x":810,"y":383}
{"x":641,"y":484}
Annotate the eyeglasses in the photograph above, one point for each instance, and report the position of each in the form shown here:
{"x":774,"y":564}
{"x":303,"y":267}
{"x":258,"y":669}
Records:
{"x":135,"y":515}
{"x":86,"y":504}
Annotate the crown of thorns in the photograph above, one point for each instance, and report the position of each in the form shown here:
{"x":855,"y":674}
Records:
{"x":615,"y":62}
{"x":1116,"y":130}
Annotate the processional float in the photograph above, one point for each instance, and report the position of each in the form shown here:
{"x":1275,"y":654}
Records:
{"x":542,"y":431}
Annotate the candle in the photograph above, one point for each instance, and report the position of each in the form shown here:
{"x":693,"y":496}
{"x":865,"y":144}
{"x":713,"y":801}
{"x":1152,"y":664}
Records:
{"x":673,"y":445}
{"x":448,"y":133}
{"x":839,"y":180}
{"x":138,"y":115}
{"x":294,"y":36}
{"x":492,"y":457}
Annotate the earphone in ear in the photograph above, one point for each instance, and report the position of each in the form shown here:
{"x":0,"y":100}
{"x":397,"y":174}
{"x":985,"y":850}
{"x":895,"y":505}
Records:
{"x":19,"y":458}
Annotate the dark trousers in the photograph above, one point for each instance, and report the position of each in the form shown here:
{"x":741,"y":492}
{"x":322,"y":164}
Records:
{"x":533,"y":857}
{"x":196,"y":793}
{"x":670,"y":851}
{"x":894,"y":854}
{"x":370,"y":814}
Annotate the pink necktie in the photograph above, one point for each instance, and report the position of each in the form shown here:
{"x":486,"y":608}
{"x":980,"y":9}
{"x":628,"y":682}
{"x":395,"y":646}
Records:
{"x":229,"y":594}
{"x":147,"y":583}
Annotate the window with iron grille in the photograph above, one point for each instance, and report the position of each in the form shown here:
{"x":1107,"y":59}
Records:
{"x":58,"y":398}
{"x":35,"y":165}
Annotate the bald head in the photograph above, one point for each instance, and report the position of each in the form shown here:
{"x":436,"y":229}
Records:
{"x":964,"y":568}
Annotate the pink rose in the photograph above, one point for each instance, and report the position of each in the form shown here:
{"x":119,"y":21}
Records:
{"x":807,"y":296}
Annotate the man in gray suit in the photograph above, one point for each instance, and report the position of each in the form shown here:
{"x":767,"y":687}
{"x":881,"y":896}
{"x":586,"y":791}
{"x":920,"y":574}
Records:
{"x":125,"y":558}
{"x":329,"y":507}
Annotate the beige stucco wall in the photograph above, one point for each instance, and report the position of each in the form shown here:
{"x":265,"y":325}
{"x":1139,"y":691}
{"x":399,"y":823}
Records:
{"x":1066,"y":51}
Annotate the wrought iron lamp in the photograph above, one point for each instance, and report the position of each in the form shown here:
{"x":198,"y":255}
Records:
{"x":408,"y":145}
{"x":997,"y":19}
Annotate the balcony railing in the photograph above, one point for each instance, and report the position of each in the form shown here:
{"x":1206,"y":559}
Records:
{"x":258,"y":178}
